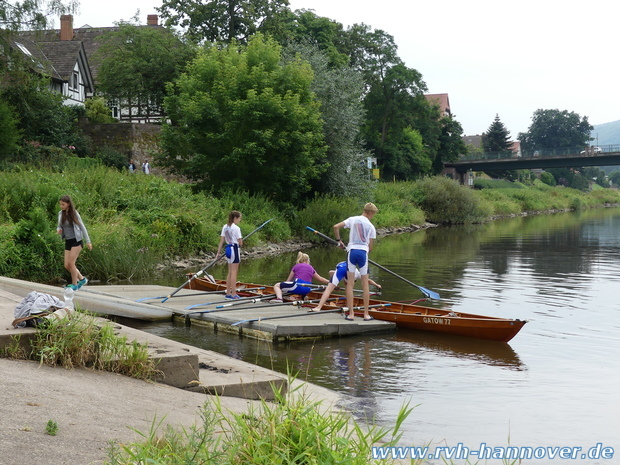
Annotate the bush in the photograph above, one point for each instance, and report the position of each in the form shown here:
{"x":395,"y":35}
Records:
{"x":322,"y":213}
{"x":98,"y":112}
{"x":548,"y":179}
{"x":36,"y":246}
{"x":396,"y":205}
{"x":497,"y":184}
{"x":111,"y":157}
{"x":500,"y":202}
{"x":445,"y":201}
{"x":9,"y":132}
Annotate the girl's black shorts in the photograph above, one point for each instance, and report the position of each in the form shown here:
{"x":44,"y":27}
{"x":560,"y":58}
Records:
{"x":70,"y":243}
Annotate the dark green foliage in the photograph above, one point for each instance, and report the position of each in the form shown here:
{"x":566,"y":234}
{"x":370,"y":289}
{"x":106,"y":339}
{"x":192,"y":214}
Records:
{"x":221,"y":20}
{"x":451,"y":144}
{"x":497,"y":138}
{"x":42,"y":116}
{"x":136,"y":65}
{"x":111,"y":157}
{"x":615,"y":177}
{"x":9,"y":132}
{"x":446,"y":201}
{"x":496,"y":184}
{"x":36,"y":245}
{"x":548,"y":179}
{"x":556,"y":129}
{"x":568,"y":177}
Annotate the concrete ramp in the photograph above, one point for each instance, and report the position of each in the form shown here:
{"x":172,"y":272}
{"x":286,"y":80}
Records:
{"x":181,"y":366}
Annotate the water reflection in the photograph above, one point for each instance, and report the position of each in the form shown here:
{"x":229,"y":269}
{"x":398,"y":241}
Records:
{"x":553,"y":385}
{"x":478,"y":350}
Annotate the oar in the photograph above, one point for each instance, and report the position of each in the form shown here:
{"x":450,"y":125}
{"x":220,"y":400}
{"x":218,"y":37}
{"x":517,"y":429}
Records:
{"x":426,"y":292}
{"x":296,"y":303}
{"x":241,"y":289}
{"x":217,"y":259}
{"x":293,"y":315}
{"x":238,"y":301}
{"x":184,"y":295}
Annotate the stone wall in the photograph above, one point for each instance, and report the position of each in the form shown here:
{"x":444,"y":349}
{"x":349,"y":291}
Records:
{"x":137,"y":141}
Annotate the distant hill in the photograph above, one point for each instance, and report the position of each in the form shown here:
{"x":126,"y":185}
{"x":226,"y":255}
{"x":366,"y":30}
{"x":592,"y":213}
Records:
{"x":606,"y":133}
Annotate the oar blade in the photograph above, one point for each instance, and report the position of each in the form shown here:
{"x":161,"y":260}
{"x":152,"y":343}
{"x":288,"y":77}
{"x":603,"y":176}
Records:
{"x":430,"y":294}
{"x":149,"y":298}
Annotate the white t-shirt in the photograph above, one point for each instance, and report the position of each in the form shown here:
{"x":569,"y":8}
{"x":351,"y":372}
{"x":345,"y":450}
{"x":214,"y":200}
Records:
{"x":362,"y":231}
{"x":231,"y":233}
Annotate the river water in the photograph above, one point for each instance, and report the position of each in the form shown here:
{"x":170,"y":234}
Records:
{"x":554,"y":385}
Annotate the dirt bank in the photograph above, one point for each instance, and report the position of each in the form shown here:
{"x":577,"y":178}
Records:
{"x":273,"y":249}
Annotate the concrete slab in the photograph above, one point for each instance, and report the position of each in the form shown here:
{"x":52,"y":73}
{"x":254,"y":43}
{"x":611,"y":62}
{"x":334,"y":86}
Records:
{"x":180,"y":365}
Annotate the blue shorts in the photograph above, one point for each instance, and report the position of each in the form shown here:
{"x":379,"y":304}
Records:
{"x":293,"y":287}
{"x":232,"y":253}
{"x":340,"y":274}
{"x":358,"y":258}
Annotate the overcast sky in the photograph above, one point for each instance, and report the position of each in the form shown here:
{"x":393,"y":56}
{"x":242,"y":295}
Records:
{"x":490,"y":57}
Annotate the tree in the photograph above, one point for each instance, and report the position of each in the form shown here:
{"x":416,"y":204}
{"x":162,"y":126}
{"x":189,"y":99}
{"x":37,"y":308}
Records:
{"x":451,"y":144}
{"x":97,"y":111}
{"x":221,"y":20}
{"x":556,"y":129}
{"x":242,"y":119}
{"x":9,"y":132}
{"x":31,"y":14}
{"x":497,"y":138}
{"x":42,"y":115}
{"x":308,"y":28}
{"x":569,"y":177}
{"x":136,"y":64}
{"x":615,"y":177}
{"x":339,"y":90}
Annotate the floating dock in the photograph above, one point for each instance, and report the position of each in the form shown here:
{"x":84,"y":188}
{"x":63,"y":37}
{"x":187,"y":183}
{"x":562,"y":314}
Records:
{"x":250,"y":317}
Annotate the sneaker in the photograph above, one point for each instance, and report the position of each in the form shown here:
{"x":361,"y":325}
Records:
{"x":73,"y":287}
{"x":228,"y":296}
{"x":276,"y":301}
{"x":82,"y":282}
{"x":235,"y":297}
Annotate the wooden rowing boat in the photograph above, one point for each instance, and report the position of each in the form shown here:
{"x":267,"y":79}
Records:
{"x":404,"y":315}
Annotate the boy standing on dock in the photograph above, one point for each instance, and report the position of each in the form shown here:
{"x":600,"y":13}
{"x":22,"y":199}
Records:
{"x":361,"y":240}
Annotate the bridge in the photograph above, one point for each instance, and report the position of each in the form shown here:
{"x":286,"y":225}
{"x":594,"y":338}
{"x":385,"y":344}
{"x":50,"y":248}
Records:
{"x":566,"y":157}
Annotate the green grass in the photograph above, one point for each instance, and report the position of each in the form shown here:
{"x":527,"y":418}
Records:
{"x":291,"y":430}
{"x":137,"y":222}
{"x":51,"y":428}
{"x":81,"y":340}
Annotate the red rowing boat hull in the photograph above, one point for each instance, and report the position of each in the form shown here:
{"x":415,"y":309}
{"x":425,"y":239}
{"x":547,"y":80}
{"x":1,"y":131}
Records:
{"x":403,"y":315}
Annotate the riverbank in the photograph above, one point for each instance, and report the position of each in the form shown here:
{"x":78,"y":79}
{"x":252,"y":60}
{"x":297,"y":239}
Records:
{"x":275,"y":249}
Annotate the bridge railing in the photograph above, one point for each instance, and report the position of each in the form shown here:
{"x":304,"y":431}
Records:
{"x":554,"y":152}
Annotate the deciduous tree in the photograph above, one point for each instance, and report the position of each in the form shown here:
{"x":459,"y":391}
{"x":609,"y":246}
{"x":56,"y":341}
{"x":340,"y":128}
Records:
{"x":555,"y":129}
{"x":242,"y":119}
{"x":339,"y":91}
{"x":221,"y":20}
{"x":136,"y":64}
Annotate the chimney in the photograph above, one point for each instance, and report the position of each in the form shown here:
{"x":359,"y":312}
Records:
{"x":152,"y":20}
{"x":66,"y":27}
